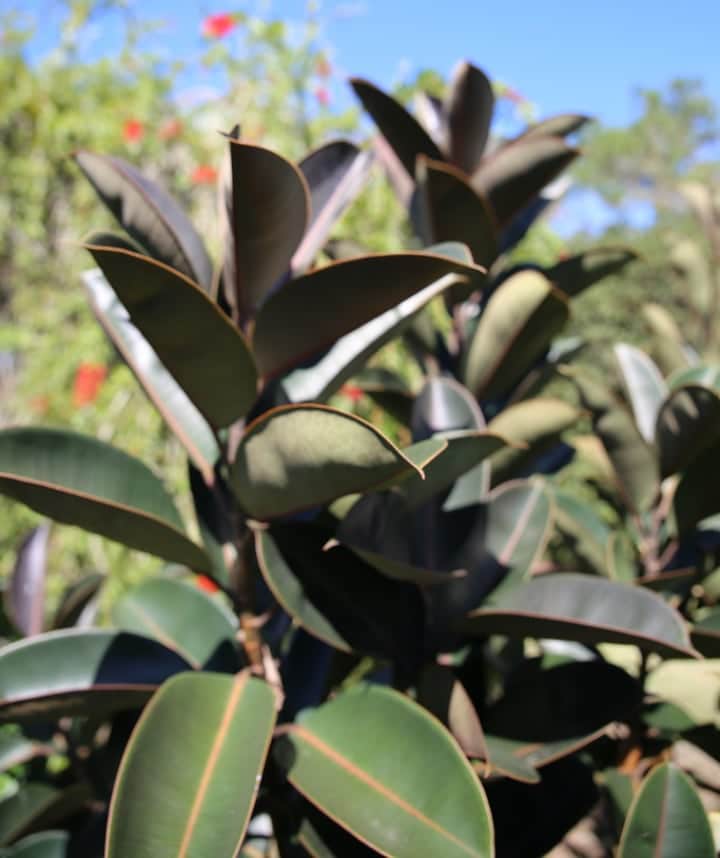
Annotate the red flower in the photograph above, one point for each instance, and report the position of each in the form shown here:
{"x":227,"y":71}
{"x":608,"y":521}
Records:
{"x":88,"y":381}
{"x":202,"y":582}
{"x":217,"y":26}
{"x":353,"y":392}
{"x":204,"y":174}
{"x":170,"y":128}
{"x":133,"y":130}
{"x":323,"y":96}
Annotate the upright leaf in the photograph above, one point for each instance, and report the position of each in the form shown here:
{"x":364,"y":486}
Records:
{"x":26,"y":593}
{"x":667,"y":340}
{"x":666,"y":819}
{"x":300,"y":456}
{"x":644,"y":385}
{"x":191,"y":771}
{"x":149,"y":214}
{"x":557,"y":126}
{"x":78,"y":480}
{"x":311,"y":313}
{"x":406,"y":136}
{"x":468,"y":110}
{"x":521,"y":318}
{"x":205,"y":353}
{"x":269,"y":212}
{"x":373,"y":779}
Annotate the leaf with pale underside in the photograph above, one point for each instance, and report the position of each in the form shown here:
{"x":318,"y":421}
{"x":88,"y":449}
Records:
{"x":514,"y":174}
{"x":25,"y":597}
{"x":198,"y":802}
{"x":587,"y":609}
{"x":81,"y":672}
{"x":468,"y":110}
{"x":405,"y":135}
{"x":335,"y":174}
{"x":644,"y":386}
{"x":310,"y":313}
{"x":373,"y":779}
{"x":268,"y":212}
{"x":149,"y":214}
{"x":78,"y":480}
{"x":299,"y":456}
{"x":521,"y":318}
{"x":180,"y":617}
{"x":666,"y":819}
{"x":191,"y":335}
{"x":183,"y":418}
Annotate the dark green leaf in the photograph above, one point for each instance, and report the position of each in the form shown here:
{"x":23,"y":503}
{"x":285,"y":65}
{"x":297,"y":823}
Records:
{"x":698,"y":493}
{"x":299,"y":456}
{"x":687,"y":424}
{"x":44,"y":844}
{"x":586,"y":609}
{"x":468,"y":109}
{"x":37,"y":806}
{"x":195,"y":803}
{"x":190,"y":334}
{"x":373,"y":778}
{"x":311,"y":313}
{"x":440,"y":692}
{"x":76,"y":598}
{"x":404,"y":134}
{"x":579,"y":272}
{"x":666,"y":819}
{"x":179,"y":616}
{"x":78,"y":480}
{"x":79,"y":672}
{"x":149,"y":215}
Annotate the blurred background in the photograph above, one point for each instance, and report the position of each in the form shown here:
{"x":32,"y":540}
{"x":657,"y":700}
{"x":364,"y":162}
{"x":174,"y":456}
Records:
{"x":154,"y":82}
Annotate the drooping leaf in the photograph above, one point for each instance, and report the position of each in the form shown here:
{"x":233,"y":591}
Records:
{"x":557,"y":126}
{"x":666,"y":819}
{"x":337,"y":597}
{"x":190,"y":334}
{"x":468,"y":110}
{"x":581,"y":271}
{"x":521,"y":318}
{"x":80,"y":672}
{"x":198,"y":802}
{"x":688,"y":423}
{"x":534,"y":425}
{"x":149,"y":214}
{"x":186,"y":422}
{"x":299,"y":456}
{"x":268,"y":210}
{"x":335,"y":174}
{"x":373,"y":779}
{"x":514,"y":174}
{"x":182,"y":618}
{"x":586,"y":609}
{"x":404,"y":134}
{"x":312,"y":312}
{"x":25,"y":596}
{"x":78,"y":480}
{"x":644,"y":385}
{"x":448,"y":209}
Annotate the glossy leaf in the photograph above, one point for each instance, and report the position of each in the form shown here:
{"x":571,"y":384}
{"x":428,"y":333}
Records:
{"x":581,"y":271}
{"x":25,"y":596}
{"x":196,"y":803}
{"x":18,"y":812}
{"x":514,"y":174}
{"x":586,"y":609}
{"x":687,"y":424}
{"x":44,"y":844}
{"x":296,"y":457}
{"x":705,"y":635}
{"x":335,"y":173}
{"x":78,"y":480}
{"x":179,"y":616}
{"x":80,"y":672}
{"x":533,"y":425}
{"x":269,"y":209}
{"x":448,"y":209}
{"x":521,"y":318}
{"x":581,"y":522}
{"x":440,"y":692}
{"x":183,"y":418}
{"x":468,"y":110}
{"x":312,"y":312}
{"x":76,"y":599}
{"x":373,"y":779}
{"x":666,"y":819}
{"x":149,"y":214}
{"x":404,"y":134}
{"x":190,"y":334}
{"x":703,"y":375}
{"x":644,"y":385}
{"x":557,"y":126}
